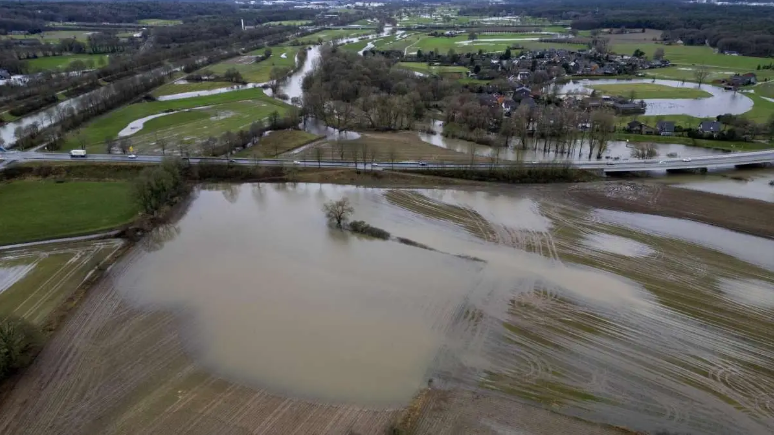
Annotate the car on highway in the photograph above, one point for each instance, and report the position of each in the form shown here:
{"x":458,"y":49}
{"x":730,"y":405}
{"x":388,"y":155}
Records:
{"x":662,"y":162}
{"x":78,"y":153}
{"x":374,"y":164}
{"x":686,"y":159}
{"x":422,"y":164}
{"x":610,"y":163}
{"x":296,"y":162}
{"x":132,"y":156}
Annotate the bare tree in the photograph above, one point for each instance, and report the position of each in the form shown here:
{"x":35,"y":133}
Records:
{"x":700,"y":74}
{"x":82,"y":140}
{"x":644,"y":151}
{"x":108,"y":145}
{"x":603,"y":123}
{"x":658,"y":54}
{"x":162,"y":144}
{"x":338,"y":212}
{"x":318,"y":155}
{"x":392,"y":154}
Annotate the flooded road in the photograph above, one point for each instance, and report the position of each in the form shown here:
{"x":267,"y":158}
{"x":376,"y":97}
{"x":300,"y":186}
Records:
{"x":623,"y":318}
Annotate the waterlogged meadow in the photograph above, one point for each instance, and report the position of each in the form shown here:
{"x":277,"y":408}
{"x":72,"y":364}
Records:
{"x":251,"y":313}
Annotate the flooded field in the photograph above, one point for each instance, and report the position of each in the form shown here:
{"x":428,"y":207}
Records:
{"x":251,"y":315}
{"x":753,"y":184}
{"x":35,"y":280}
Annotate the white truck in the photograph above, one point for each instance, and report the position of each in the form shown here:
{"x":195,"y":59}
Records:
{"x":78,"y":153}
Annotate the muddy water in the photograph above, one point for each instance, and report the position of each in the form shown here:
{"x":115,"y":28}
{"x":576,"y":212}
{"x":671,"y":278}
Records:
{"x":635,"y":320}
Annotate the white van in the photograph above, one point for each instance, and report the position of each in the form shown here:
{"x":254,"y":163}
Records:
{"x":78,"y":153}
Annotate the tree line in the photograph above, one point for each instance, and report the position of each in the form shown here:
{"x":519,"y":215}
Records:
{"x":746,"y":29}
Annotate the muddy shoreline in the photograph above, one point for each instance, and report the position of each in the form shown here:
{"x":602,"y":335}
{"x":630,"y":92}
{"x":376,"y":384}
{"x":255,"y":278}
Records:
{"x":743,"y":215}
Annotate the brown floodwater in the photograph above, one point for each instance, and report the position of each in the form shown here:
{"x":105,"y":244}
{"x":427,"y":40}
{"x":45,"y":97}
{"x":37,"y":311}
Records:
{"x":623,"y":318}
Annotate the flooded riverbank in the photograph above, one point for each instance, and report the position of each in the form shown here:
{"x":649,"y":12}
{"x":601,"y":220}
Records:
{"x":616,"y":149}
{"x":721,"y":101}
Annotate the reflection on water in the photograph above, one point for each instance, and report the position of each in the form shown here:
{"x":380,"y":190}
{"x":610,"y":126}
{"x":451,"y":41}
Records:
{"x":616,"y":317}
{"x":619,"y":150}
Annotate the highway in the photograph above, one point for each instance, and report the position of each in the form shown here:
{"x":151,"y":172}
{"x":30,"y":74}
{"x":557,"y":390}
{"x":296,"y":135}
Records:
{"x":608,"y":166}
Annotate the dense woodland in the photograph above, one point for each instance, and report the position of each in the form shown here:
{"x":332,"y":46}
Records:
{"x":349,"y":91}
{"x":746,"y":29}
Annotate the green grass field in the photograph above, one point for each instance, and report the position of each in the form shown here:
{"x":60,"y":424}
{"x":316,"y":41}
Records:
{"x":288,"y":23}
{"x":332,"y":34}
{"x":61,"y":62}
{"x":38,"y":210}
{"x":278,"y":142}
{"x":765,"y":89}
{"x":54,"y":36}
{"x":258,"y":72}
{"x":650,"y":91}
{"x":461,"y":44}
{"x":187,"y":130}
{"x":179,"y":88}
{"x":108,"y":125}
{"x":356,"y":46}
{"x":458,"y":71}
{"x":158,"y":22}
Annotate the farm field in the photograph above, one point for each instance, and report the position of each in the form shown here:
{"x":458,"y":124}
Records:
{"x":52,"y":63}
{"x":39,"y":210}
{"x":422,"y":67}
{"x":278,"y":142}
{"x":650,"y":91}
{"x":258,"y":72}
{"x":510,"y":299}
{"x":34,"y":281}
{"x":159,"y":22}
{"x":179,"y":88}
{"x":254,"y":102}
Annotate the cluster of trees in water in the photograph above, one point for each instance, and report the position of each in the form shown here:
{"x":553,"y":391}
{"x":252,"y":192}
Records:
{"x":349,"y":91}
{"x":748,"y":30}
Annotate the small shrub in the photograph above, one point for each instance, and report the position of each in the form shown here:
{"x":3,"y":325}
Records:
{"x":361,"y":227}
{"x":19,"y":343}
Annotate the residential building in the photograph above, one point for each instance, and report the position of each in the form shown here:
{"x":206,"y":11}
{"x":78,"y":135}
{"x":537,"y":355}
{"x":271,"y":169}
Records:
{"x":666,"y":128}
